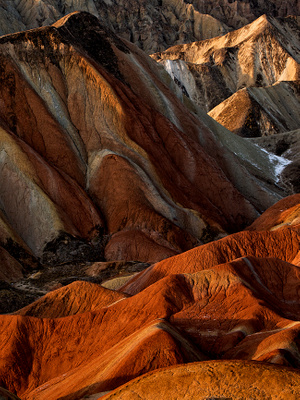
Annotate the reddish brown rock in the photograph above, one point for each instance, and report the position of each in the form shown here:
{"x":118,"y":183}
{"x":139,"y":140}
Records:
{"x":152,"y":347}
{"x":99,"y":331}
{"x":282,"y":244}
{"x":284,"y":213}
{"x":76,"y":298}
{"x":246,"y":309}
{"x":218,"y":379}
{"x":98,"y":158}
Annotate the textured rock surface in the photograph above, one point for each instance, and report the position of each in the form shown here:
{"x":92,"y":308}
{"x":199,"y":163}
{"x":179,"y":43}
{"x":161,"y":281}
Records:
{"x":213,"y":380}
{"x":75,"y":298}
{"x":284,"y":213}
{"x":282,"y":244}
{"x":151,"y":25}
{"x":207,"y":306}
{"x":285,"y":144}
{"x":100,"y":160}
{"x":237,"y":13}
{"x":258,"y":111}
{"x":259,"y":54}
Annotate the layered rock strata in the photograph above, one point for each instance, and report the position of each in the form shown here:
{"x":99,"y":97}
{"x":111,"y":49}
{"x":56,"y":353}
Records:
{"x":100,"y":160}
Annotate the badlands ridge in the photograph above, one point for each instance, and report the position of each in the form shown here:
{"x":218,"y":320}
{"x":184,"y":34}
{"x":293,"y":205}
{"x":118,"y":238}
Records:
{"x":147,"y":251}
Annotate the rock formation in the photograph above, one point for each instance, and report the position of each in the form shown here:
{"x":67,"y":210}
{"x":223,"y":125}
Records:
{"x":62,"y":302}
{"x":151,"y":25}
{"x":238,"y":13}
{"x":100,"y":160}
{"x":260,"y":54}
{"x":109,"y":170}
{"x":261,"y":111}
{"x":230,"y":299}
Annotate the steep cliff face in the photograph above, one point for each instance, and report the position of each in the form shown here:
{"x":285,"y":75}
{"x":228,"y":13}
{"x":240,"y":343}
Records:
{"x":248,"y":80}
{"x":261,"y":111}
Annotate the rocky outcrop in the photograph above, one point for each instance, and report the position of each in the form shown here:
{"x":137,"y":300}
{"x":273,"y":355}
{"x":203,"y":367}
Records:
{"x":248,"y":80}
{"x":285,"y":144}
{"x":261,"y":111}
{"x":236,"y":298}
{"x":284,"y":213}
{"x":259,"y":54}
{"x":281,"y":244}
{"x":151,"y":25}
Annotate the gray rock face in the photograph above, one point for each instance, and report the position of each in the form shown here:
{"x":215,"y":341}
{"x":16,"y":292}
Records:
{"x":152,"y":25}
{"x":237,"y":13}
{"x":248,"y":79}
{"x":259,"y":111}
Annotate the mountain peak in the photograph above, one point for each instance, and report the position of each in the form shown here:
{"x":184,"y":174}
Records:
{"x":83,"y":20}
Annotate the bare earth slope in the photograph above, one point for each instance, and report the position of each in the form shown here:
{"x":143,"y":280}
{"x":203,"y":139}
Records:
{"x":196,"y":309}
{"x":62,"y":302}
{"x":93,"y":142}
{"x":261,"y":111}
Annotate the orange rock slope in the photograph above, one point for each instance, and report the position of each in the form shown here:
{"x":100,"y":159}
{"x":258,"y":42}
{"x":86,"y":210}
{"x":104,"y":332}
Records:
{"x":230,"y":299}
{"x":213,"y":380}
